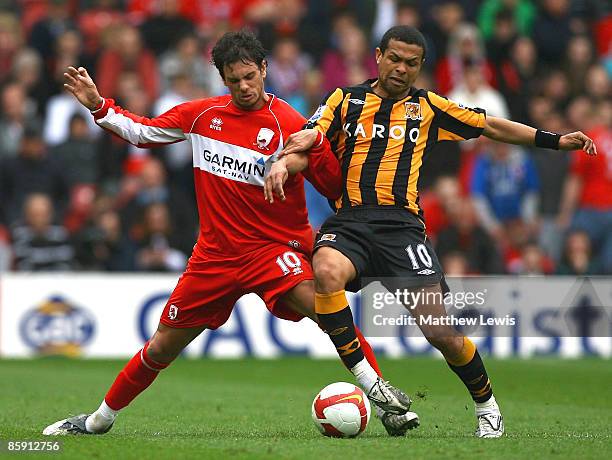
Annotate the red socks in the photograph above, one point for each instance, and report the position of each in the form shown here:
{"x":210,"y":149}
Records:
{"x":135,"y":377}
{"x":368,"y":353}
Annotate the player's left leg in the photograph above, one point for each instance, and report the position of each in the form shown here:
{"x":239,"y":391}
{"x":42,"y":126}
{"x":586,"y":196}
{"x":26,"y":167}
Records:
{"x":463,"y":358}
{"x":301,"y":299}
{"x":137,"y":375}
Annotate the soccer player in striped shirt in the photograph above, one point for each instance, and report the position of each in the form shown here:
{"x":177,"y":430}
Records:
{"x":380,"y":131}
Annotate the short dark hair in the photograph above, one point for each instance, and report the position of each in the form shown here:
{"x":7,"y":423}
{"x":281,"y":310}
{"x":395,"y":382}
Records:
{"x":238,"y":46}
{"x":407,"y":34}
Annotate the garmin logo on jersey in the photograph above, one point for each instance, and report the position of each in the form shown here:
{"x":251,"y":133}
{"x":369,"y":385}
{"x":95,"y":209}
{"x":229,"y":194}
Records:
{"x":232,"y":167}
{"x":229,"y":160}
{"x":396,"y":132}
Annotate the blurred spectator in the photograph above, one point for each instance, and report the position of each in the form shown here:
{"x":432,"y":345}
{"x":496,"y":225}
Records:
{"x":597,"y":84}
{"x":45,"y":32}
{"x":286,"y":68}
{"x":390,"y":13}
{"x":102,"y":245}
{"x":274,"y":19}
{"x":33,"y":170}
{"x":587,"y":198}
{"x":579,"y":57}
{"x":558,"y":80}
{"x":178,"y":157}
{"x":38,"y":244}
{"x":6,"y":253}
{"x":577,"y":257}
{"x":473,"y":91}
{"x":533,"y":261}
{"x":10,"y":42}
{"x":94,"y":21}
{"x":352,"y":63}
{"x":455,"y":263}
{"x":499,"y":44}
{"x":60,"y":110}
{"x":126,"y":53}
{"x":505,"y":187}
{"x":552,"y":167}
{"x":555,"y":88}
{"x":15,"y":111}
{"x":552,"y":30}
{"x":446,"y":17}
{"x":465,"y":235}
{"x":523,"y":13}
{"x":539,"y":109}
{"x":465,"y":48}
{"x":436,"y":202}
{"x":153,"y":187}
{"x":157,"y":247}
{"x":516,"y":77}
{"x":27,"y":71}
{"x":163,"y":29}
{"x":78,"y":153}
{"x":68,"y":51}
{"x":187,"y":58}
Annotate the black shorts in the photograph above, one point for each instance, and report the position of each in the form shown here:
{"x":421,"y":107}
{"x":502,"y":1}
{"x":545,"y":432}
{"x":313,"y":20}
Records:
{"x":383,"y":242}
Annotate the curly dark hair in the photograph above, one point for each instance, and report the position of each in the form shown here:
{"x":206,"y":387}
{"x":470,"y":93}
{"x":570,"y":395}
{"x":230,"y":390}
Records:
{"x":238,"y":46}
{"x":406,"y":34}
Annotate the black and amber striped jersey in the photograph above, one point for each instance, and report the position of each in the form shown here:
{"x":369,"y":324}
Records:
{"x":381,"y":142}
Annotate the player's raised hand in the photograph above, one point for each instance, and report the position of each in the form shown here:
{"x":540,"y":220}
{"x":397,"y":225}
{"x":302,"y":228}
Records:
{"x":80,"y":84}
{"x":275,"y":180}
{"x":299,"y":142}
{"x":577,"y":141}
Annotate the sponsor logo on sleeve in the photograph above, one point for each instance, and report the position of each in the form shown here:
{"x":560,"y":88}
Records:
{"x":318,"y":114}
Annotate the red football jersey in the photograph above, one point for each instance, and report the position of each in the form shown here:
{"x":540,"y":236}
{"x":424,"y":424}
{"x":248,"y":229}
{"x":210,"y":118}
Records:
{"x":231,"y":152}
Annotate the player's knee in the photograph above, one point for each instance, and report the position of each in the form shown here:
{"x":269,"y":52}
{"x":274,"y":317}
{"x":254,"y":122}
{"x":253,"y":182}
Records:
{"x":447,"y":344}
{"x":329,"y":277}
{"x":161,"y":351}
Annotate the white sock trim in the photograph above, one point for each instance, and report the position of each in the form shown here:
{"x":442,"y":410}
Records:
{"x":145,"y":362}
{"x":364,"y":373}
{"x":487,"y":407}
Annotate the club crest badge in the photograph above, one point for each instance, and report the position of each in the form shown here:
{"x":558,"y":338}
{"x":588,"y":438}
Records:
{"x":264,"y":137}
{"x":413,"y":111}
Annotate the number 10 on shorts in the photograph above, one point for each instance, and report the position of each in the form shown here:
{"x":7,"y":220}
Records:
{"x":424,"y":256}
{"x":289,"y":262}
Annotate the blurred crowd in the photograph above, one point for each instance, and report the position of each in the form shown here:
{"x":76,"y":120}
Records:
{"x":73,"y":197}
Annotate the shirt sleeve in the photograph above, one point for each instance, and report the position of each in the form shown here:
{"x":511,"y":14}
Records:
{"x":323,"y":171}
{"x":138,"y":130}
{"x":455,"y":122}
{"x":328,"y":117}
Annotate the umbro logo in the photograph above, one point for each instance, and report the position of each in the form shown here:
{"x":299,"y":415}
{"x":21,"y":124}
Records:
{"x":426,"y":271}
{"x":357,"y":101}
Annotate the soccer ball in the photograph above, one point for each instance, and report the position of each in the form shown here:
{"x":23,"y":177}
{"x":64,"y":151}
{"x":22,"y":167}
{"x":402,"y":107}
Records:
{"x":341,"y":410}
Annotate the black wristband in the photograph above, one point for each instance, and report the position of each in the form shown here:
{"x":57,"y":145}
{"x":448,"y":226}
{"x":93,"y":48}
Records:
{"x":547,"y":140}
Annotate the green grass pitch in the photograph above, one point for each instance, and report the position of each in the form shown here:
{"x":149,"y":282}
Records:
{"x":261,"y":409}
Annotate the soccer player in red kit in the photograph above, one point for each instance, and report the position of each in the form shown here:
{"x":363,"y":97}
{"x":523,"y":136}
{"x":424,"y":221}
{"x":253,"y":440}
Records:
{"x":244,"y":244}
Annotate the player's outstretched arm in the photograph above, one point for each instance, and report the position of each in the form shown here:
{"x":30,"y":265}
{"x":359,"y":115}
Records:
{"x":136,"y":129}
{"x":302,"y":141}
{"x":82,"y":87}
{"x":280,"y":172}
{"x":511,"y":132}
